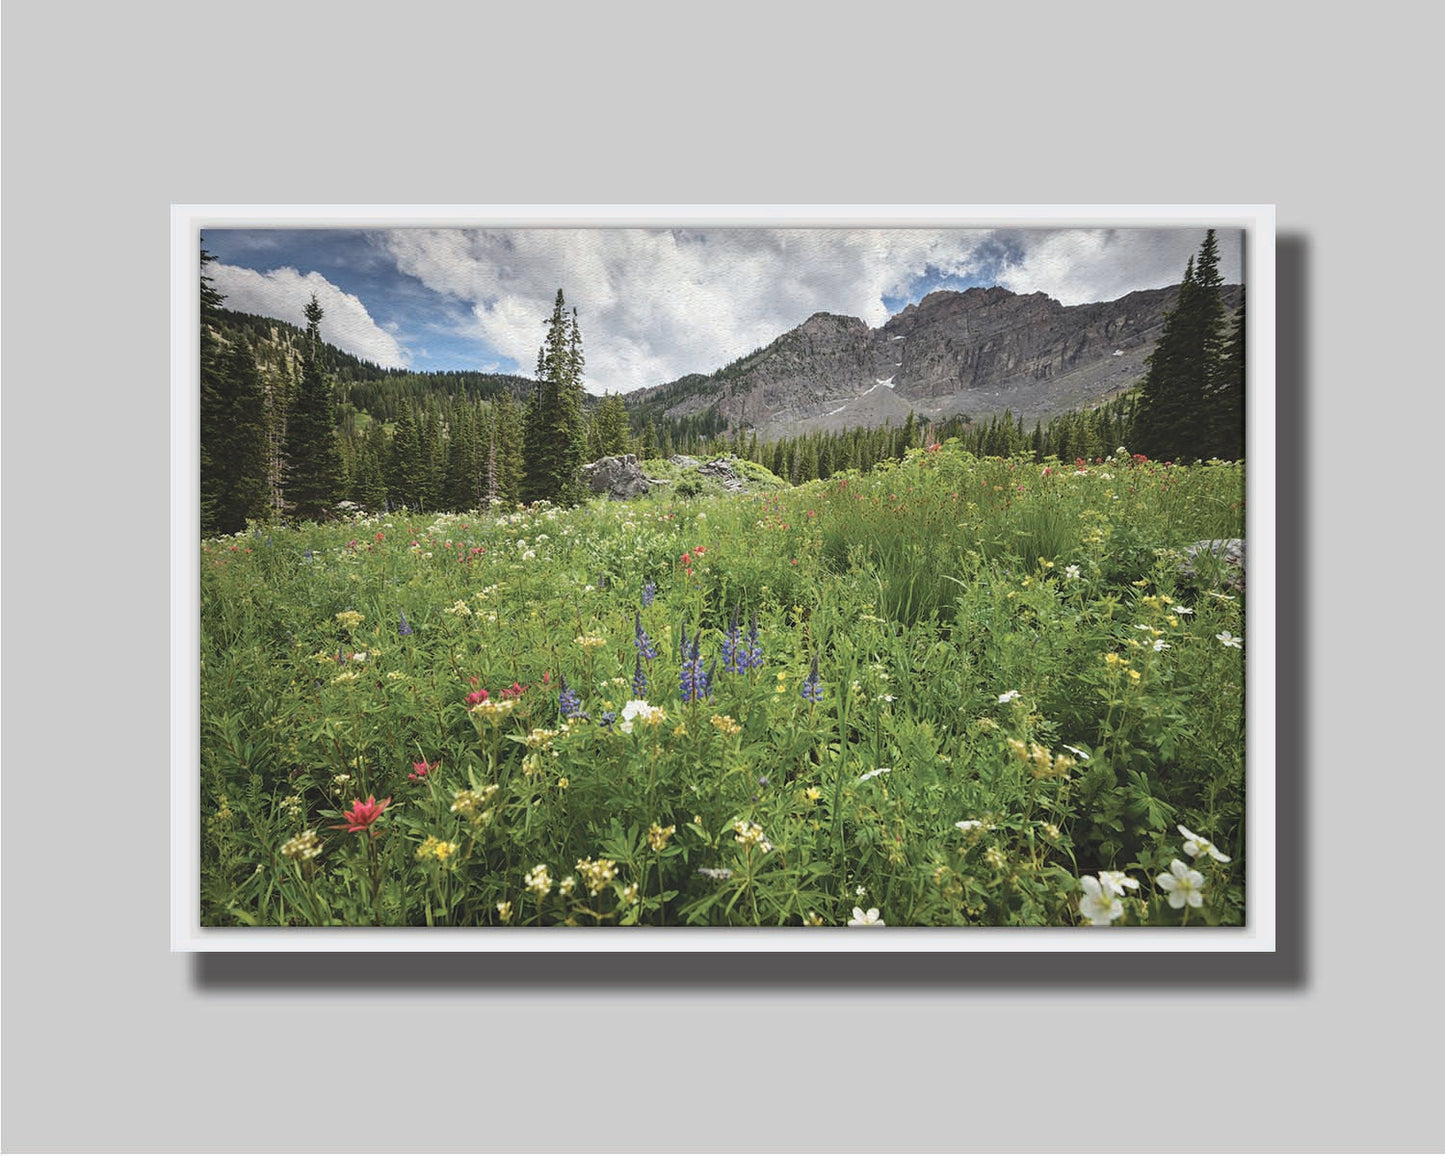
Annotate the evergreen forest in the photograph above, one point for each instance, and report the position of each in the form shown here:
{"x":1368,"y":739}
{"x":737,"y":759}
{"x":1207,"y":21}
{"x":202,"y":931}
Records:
{"x":295,"y":429}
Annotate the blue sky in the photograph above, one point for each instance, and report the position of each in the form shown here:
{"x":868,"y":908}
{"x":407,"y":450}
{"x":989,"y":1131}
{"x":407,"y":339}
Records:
{"x":654,"y":304}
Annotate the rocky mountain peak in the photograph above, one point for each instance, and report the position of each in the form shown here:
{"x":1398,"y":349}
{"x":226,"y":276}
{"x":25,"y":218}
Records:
{"x":977,"y":351}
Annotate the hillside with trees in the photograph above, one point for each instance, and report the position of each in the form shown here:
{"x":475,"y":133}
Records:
{"x":292,"y":427}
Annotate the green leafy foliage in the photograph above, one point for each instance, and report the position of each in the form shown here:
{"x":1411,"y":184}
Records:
{"x":942,"y":726}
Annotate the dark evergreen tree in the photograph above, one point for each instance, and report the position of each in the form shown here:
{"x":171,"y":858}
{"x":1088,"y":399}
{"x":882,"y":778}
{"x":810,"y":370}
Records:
{"x":1173,"y":421}
{"x":609,"y":428}
{"x":235,"y":487}
{"x":233,"y":449}
{"x":405,"y":473}
{"x":462,"y":481}
{"x":507,"y":427}
{"x":368,"y":484}
{"x":313,"y":455}
{"x":212,"y":404}
{"x":647,"y":442}
{"x":556,"y":430}
{"x":1226,"y":403}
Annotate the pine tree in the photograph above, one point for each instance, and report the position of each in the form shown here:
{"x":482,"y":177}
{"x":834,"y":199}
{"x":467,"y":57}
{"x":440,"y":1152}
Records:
{"x":511,"y":463}
{"x":647,"y":442}
{"x":609,"y":428}
{"x":1227,"y":396}
{"x":463,"y":462}
{"x":1173,"y":420}
{"x":556,"y":429}
{"x":233,"y":451}
{"x":368,"y":486}
{"x":313,"y":456}
{"x":405,"y":467}
{"x":212,"y":404}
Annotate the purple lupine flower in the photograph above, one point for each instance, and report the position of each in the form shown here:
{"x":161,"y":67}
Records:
{"x":639,"y":680}
{"x":649,"y":592}
{"x":755,"y":648}
{"x":812,"y":691}
{"x":308,"y":555}
{"x":734,"y":656}
{"x":608,"y":718}
{"x":695,"y":682}
{"x":644,"y":644}
{"x":569,"y":702}
{"x":405,"y":628}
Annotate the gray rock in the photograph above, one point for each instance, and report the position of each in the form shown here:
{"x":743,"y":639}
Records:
{"x":1219,"y":561}
{"x":618,"y":478}
{"x":721,"y":471}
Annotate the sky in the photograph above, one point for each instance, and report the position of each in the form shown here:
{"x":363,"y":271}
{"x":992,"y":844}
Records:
{"x":655,"y":304}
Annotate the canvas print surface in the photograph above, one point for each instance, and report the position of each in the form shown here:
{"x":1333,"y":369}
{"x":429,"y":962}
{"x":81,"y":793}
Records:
{"x":721,"y":576}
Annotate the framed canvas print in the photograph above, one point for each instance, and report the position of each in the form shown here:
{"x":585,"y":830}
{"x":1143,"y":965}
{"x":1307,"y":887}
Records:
{"x":723,"y":578}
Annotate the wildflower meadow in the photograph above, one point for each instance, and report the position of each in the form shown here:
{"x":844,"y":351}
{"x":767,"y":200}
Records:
{"x":949,"y":691}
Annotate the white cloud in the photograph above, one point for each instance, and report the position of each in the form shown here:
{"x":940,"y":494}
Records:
{"x":284,"y":293}
{"x":1077,"y":266}
{"x":654,"y":304}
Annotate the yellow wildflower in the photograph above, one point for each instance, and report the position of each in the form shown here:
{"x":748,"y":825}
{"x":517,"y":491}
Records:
{"x":303,"y":846}
{"x":597,"y":873}
{"x":539,"y":881}
{"x":493,"y":711}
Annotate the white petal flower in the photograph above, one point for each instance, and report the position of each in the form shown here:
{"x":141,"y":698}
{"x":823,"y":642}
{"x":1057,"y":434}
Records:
{"x":971,"y":825}
{"x":1098,"y":904}
{"x":867,"y":918}
{"x":874,"y":774}
{"x":1160,"y":644}
{"x":1082,"y":754}
{"x":1230,"y":640}
{"x":1071,"y":572}
{"x":1183,"y":884}
{"x":1009,"y":696}
{"x":1117,"y":881}
{"x":1197,"y":845}
{"x":1181,"y":610}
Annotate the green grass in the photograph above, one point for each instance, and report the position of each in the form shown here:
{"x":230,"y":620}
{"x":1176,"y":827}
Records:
{"x":998,"y":645}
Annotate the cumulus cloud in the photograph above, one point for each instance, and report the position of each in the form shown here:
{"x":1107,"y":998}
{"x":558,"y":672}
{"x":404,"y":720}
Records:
{"x":654,"y":304}
{"x":1077,"y":266}
{"x":284,"y":293}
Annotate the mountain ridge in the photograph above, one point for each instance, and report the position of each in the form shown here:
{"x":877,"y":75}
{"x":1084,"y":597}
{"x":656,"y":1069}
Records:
{"x":979,"y":351}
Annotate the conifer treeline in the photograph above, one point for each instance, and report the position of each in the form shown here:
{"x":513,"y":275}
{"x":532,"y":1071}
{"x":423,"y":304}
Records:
{"x":288,"y":431}
{"x":1191,"y":401}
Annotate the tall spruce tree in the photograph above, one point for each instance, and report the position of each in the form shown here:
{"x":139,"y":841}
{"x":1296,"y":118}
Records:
{"x":1227,"y":396}
{"x":609,"y":427}
{"x":313,"y":455}
{"x":233,"y":449}
{"x":405,"y":465}
{"x":1174,"y":420}
{"x":556,"y":430}
{"x":212,"y":404}
{"x":511,"y":460}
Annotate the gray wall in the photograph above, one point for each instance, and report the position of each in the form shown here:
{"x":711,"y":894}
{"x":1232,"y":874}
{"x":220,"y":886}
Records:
{"x":112,"y":112}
